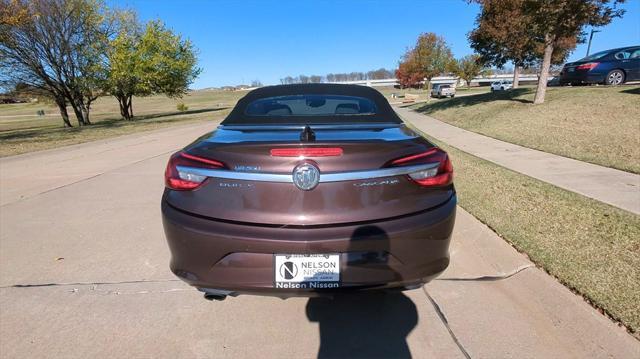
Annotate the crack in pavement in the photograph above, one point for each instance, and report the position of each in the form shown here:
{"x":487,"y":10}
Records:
{"x":88,"y":283}
{"x":490,"y":278}
{"x":443,"y":317}
{"x":444,"y":321}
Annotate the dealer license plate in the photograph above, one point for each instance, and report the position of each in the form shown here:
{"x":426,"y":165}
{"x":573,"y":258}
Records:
{"x":306,"y":271}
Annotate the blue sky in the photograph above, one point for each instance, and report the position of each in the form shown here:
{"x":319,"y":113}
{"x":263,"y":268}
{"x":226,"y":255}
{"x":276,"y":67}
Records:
{"x":241,"y":41}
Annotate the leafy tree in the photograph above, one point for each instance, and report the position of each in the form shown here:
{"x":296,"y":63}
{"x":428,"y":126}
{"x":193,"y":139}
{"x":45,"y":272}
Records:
{"x":500,"y":35}
{"x":152,"y":61}
{"x":558,"y":22}
{"x":468,"y":67}
{"x":504,"y":33}
{"x":430,"y":57}
{"x":409,"y":74}
{"x":57,"y":46}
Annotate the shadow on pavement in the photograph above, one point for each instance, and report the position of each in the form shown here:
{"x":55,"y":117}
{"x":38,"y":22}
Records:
{"x":371,"y":325}
{"x":365,"y":324}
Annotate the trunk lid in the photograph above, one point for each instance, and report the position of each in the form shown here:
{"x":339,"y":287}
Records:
{"x":247,"y":150}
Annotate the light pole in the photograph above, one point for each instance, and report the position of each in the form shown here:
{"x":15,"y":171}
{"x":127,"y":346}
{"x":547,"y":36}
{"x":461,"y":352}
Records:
{"x":591,"y":37}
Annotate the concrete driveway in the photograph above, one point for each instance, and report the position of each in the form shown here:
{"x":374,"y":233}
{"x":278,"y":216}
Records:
{"x":84,"y":273}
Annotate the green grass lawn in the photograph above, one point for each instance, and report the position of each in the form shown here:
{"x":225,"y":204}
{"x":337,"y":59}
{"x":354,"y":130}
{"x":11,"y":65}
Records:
{"x":22,"y":132}
{"x":595,"y":124}
{"x":589,"y":246}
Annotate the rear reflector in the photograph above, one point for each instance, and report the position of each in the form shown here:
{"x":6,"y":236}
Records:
{"x":588,"y":66}
{"x":442,"y":175}
{"x":307,"y":152}
{"x":184,"y":181}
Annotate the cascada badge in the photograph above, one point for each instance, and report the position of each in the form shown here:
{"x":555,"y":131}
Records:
{"x":306,"y":271}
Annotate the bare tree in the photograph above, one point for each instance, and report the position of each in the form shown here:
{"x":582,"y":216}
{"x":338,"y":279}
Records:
{"x":58,"y":47}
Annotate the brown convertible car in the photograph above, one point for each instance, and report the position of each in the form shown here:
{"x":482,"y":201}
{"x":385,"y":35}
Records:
{"x":309,"y":190}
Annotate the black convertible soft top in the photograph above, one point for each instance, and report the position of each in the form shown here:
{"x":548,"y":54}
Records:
{"x":383,"y":114}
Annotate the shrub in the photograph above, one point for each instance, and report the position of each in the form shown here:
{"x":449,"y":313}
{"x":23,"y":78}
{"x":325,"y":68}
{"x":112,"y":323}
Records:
{"x":182,"y":107}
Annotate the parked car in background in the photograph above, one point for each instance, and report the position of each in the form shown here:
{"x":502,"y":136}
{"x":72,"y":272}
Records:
{"x":501,"y":85}
{"x":305,"y":190}
{"x":609,"y":67}
{"x":443,"y":90}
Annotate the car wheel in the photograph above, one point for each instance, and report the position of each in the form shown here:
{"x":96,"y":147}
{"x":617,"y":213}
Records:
{"x":492,"y":89}
{"x":501,"y":88}
{"x":452,"y":96}
{"x":614,"y":78}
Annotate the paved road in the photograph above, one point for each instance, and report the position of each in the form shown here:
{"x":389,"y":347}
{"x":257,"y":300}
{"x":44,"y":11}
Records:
{"x":84,"y":273}
{"x":608,"y":185}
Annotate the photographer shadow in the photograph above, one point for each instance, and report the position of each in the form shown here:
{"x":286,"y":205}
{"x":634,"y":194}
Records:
{"x":370,"y":324}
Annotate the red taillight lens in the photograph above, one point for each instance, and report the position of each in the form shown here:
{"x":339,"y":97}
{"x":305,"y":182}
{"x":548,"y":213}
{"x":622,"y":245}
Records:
{"x":442,"y":175}
{"x":307,"y":152}
{"x":588,"y":66}
{"x":184,"y":181}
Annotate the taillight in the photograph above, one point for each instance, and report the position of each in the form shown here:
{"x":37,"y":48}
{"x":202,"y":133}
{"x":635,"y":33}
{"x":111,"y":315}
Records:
{"x":588,"y":66}
{"x":184,"y":181}
{"x":441,"y":175}
{"x":306,"y":152}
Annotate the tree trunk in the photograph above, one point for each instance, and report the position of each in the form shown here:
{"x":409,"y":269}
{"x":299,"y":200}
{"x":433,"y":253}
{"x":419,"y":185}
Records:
{"x":62,"y":105}
{"x":124,"y":106}
{"x":428,"y":88}
{"x":85,"y":112}
{"x":544,"y":71}
{"x":516,"y":77}
{"x":78,"y":112}
{"x":130,"y":106}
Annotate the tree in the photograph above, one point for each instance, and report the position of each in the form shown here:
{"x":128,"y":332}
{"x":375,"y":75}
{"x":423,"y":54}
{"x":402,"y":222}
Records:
{"x":558,"y":22}
{"x":153,"y":61}
{"x":379,"y":74}
{"x":57,"y":46}
{"x":432,"y":56}
{"x":315,"y":79}
{"x":532,"y":32}
{"x":501,"y":35}
{"x":468,"y":67}
{"x":409,"y":73}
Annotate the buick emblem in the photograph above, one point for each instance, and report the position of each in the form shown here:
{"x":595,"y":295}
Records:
{"x":306,"y":176}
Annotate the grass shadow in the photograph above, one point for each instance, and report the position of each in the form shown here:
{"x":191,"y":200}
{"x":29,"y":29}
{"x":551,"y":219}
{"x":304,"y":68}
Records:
{"x":178,"y":113}
{"x":471,"y":100}
{"x":632,"y":91}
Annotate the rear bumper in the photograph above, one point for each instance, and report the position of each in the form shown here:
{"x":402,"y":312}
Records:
{"x":234,"y":258}
{"x":584,"y":77}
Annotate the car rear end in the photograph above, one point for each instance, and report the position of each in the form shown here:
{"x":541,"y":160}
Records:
{"x":447,"y":90}
{"x":305,"y":190}
{"x":589,"y":70}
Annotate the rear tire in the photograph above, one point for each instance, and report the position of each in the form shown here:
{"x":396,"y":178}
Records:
{"x":614,"y":78}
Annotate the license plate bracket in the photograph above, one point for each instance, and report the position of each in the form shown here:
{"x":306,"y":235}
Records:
{"x":306,"y":271}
